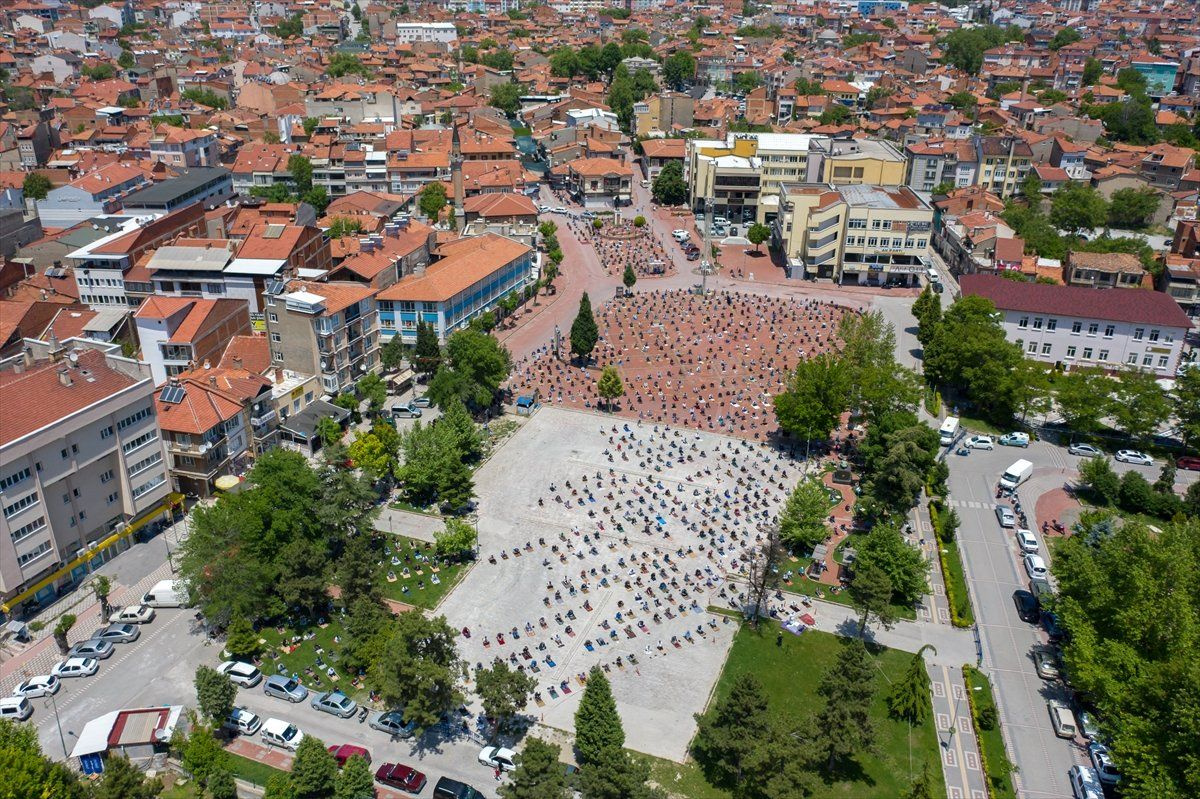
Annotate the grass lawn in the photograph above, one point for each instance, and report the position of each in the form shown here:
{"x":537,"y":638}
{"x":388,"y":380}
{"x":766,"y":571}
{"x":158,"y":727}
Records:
{"x":399,"y":504}
{"x":991,"y":742}
{"x":186,"y":791}
{"x":297,"y":650}
{"x":956,"y":580}
{"x":251,"y":770}
{"x":412,"y":564}
{"x":800,"y":584}
{"x":790,"y":675}
{"x":980,"y":426}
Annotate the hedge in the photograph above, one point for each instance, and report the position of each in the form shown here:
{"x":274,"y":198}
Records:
{"x":995,"y":764}
{"x":953,"y":575}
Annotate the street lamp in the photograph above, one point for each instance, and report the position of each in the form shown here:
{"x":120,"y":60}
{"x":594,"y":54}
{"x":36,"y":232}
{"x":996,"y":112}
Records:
{"x":61,"y":738}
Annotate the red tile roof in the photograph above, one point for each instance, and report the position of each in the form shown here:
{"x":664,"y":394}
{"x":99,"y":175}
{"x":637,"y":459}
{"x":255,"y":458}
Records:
{"x":1113,"y":305}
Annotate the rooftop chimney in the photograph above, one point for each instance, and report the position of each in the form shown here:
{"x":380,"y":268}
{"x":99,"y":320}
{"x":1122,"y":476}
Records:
{"x":212,"y":380}
{"x":237,"y":362}
{"x":64,"y":376}
{"x":27,"y":356}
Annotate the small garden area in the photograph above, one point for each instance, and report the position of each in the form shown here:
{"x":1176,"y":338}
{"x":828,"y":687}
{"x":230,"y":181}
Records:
{"x":310,"y":651}
{"x":996,"y":765}
{"x":413,"y":573}
{"x":945,"y":526}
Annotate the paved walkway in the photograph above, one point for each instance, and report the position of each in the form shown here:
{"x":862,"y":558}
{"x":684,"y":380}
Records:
{"x":407,"y":523}
{"x":954,"y":646}
{"x":956,"y":735}
{"x":935,"y":606}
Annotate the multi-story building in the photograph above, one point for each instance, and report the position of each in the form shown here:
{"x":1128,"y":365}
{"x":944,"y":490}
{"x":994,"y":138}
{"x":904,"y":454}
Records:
{"x":1004,"y":161}
{"x":409,"y":32}
{"x":327,"y":329}
{"x":471,"y":277}
{"x":99,"y":192}
{"x":209,"y":186}
{"x":661,"y":113}
{"x":1105,"y":270}
{"x":1074,"y":326}
{"x":868,"y":235}
{"x":179,"y":333}
{"x":81,"y":462}
{"x":844,"y":162}
{"x":1180,"y":280}
{"x":743,"y":172}
{"x":184,"y":148}
{"x":600,"y":182}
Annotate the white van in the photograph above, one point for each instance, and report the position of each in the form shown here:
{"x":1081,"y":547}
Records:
{"x":1016,"y":474}
{"x":284,"y":734}
{"x":15,"y":708}
{"x":932,"y":275}
{"x":166,"y":594}
{"x":948,"y":431}
{"x":1063,"y":720}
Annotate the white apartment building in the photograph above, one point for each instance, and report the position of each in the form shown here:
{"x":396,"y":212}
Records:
{"x":407,"y":32}
{"x":81,"y":463}
{"x":1077,"y":326}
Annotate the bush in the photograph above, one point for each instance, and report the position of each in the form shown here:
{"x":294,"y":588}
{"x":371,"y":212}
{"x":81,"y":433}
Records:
{"x":988,"y":718}
{"x":597,"y":224}
{"x":639,"y":221}
{"x":1135,"y":494}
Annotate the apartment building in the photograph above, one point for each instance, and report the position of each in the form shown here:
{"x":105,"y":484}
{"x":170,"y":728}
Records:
{"x":743,"y":172}
{"x":409,"y":32}
{"x":1074,"y":326}
{"x":472,"y":275}
{"x":99,"y":192}
{"x":845,"y":162}
{"x":1104,"y":270}
{"x":177,"y":333}
{"x":209,"y":186}
{"x":866,"y":235}
{"x":997,"y":163}
{"x":661,"y":113}
{"x":184,"y":148}
{"x":81,"y":462}
{"x":600,"y":182}
{"x":327,"y":329}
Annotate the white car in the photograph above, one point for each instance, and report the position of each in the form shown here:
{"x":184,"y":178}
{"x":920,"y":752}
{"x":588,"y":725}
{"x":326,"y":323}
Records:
{"x":242,"y":674}
{"x":1133,"y":456}
{"x":1102,"y":761}
{"x":498,"y":757}
{"x":559,"y":210}
{"x":543,"y":209}
{"x":1085,"y":783}
{"x":1035,"y":566}
{"x":1026,"y":540}
{"x":76,"y":667}
{"x":35,"y":687}
{"x":1005,"y":515}
{"x":1085,"y":450}
{"x":134,"y":614}
{"x":679,"y":235}
{"x":981,"y":442}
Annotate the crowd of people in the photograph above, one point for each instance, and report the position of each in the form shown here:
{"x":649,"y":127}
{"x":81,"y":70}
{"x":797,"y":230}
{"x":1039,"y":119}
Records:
{"x":711,"y":362}
{"x":621,"y":244}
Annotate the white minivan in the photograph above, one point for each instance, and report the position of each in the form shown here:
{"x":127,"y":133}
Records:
{"x":166,"y":594}
{"x":15,"y":708}
{"x":1062,"y":719}
{"x":284,"y":734}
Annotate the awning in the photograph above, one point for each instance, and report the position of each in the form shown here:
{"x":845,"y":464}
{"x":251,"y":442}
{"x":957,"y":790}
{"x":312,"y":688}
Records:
{"x":94,"y":736}
{"x":304,"y":424}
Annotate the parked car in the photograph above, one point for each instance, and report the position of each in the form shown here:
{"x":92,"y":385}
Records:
{"x":694,"y":255}
{"x":398,"y":775}
{"x":1189,"y":462}
{"x":392,"y":722}
{"x":91,"y":649}
{"x":1085,"y":782}
{"x":1005,"y":515}
{"x":420,"y":402}
{"x":1045,"y":664}
{"x":133,"y":614}
{"x":1102,"y":761}
{"x":1133,"y":456}
{"x":1062,"y":719}
{"x":1050,"y":624}
{"x":1027,"y":540}
{"x":1088,"y":726}
{"x":981,"y":442}
{"x":117,"y":634}
{"x":1041,"y":589}
{"x":335,"y":703}
{"x":447,"y":788}
{"x":1027,"y":606}
{"x":409,"y":411}
{"x":243,"y":721}
{"x":1036,"y":566}
{"x":498,"y":757}
{"x":243,"y":674}
{"x":346,"y":751}
{"x":285,"y":735}
{"x":76,"y":667}
{"x":15,"y":708}
{"x":1015,"y":440}
{"x":558,"y":209}
{"x":679,"y":235}
{"x":283,"y":687}
{"x":1086,"y":450}
{"x":543,"y":209}
{"x":34,"y":687}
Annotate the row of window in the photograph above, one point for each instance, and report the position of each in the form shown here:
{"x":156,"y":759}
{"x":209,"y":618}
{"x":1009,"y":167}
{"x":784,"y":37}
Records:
{"x":98,"y":282}
{"x":26,"y":530}
{"x":149,"y":486}
{"x":10,"y":480}
{"x":143,"y":439}
{"x":101,"y":299}
{"x":34,"y":554}
{"x":20,"y":505}
{"x":1093,"y":328}
{"x":135,"y":417}
{"x":1147,"y":359}
{"x":145,"y":464}
{"x":886,"y":244}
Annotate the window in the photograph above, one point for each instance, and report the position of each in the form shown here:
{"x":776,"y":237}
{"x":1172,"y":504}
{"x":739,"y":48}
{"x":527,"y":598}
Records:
{"x":1162,"y":362}
{"x":34,"y":554}
{"x":1104,"y":355}
{"x":873,"y":241}
{"x":145,"y":464}
{"x":1037,"y":323}
{"x":82,"y":515}
{"x":1023,"y":322}
{"x":135,"y":417}
{"x":1052,"y":324}
{"x":1076,"y":327}
{"x":20,"y":505}
{"x":26,"y":530}
{"x":1147,"y":359}
{"x":1093,"y":329}
{"x":1045,"y":349}
{"x":1033,"y":347}
{"x":278,"y":356}
{"x":106,"y":432}
{"x":1087,"y":353}
{"x":64,"y":453}
{"x":142,"y":440}
{"x":1132,"y":359}
{"x":113,"y":497}
{"x":150,"y":486}
{"x":274,"y":317}
{"x":1109,"y":330}
{"x":1154,"y":334}
{"x":1139,"y":333}
{"x":275,"y":337}
{"x":1070,"y":352}
{"x":106,"y":476}
{"x":8,"y":481}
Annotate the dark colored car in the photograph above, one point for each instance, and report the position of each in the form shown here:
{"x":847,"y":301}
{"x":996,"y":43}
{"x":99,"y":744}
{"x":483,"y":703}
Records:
{"x":346,"y":751}
{"x":1190,"y":462}
{"x":398,"y":775}
{"x":1027,"y":605}
{"x":1052,"y":627}
{"x":694,"y":255}
{"x":447,"y":788}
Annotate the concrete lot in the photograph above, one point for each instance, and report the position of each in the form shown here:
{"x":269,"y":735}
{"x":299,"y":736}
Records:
{"x":658,"y":694}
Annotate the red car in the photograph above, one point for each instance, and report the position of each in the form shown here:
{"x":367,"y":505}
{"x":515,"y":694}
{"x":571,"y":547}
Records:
{"x":1188,"y":462}
{"x":398,"y":775}
{"x":346,"y":751}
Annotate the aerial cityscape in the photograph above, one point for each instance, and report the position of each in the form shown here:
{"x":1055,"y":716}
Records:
{"x":594,"y":399}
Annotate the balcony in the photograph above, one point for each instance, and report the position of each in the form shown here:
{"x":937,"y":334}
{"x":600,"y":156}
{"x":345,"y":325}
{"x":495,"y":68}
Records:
{"x":263,"y":417}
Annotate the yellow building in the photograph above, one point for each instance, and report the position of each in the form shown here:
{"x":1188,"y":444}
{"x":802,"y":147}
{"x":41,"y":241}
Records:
{"x":661,"y":113}
{"x":862,"y":234}
{"x":845,"y":162}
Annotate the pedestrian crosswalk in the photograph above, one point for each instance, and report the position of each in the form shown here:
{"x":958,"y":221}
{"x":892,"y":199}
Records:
{"x":966,"y":503}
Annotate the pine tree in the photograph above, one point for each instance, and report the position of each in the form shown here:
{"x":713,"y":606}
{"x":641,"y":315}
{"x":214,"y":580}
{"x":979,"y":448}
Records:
{"x":909,"y":697}
{"x":354,"y":781}
{"x":597,"y":725}
{"x":460,"y":428}
{"x":584,"y":333}
{"x":538,"y":774}
{"x":630,"y":277}
{"x":728,"y":735}
{"x":313,"y":770}
{"x":844,"y":725}
{"x":427,"y":354}
{"x":922,"y":788}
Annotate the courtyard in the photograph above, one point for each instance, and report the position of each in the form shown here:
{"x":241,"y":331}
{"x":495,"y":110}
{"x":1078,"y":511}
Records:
{"x":603,"y":541}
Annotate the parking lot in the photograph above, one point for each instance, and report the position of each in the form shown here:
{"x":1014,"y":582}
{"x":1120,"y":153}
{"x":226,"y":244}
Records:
{"x":637,"y":594}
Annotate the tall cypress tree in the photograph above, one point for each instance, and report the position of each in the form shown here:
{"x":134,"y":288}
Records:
{"x":427,"y":354}
{"x":844,"y":724}
{"x":584,"y":333}
{"x":597,"y":725}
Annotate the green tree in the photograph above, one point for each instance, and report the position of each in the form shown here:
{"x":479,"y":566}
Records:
{"x":419,"y":668}
{"x":1077,"y":206}
{"x":818,"y":394}
{"x":29,"y":773}
{"x":728,"y":735}
{"x":318,"y":198}
{"x":36,"y":186}
{"x":668,"y":187}
{"x":597,"y":725}
{"x":344,"y":226}
{"x":101,"y":586}
{"x":279,"y":786}
{"x":844,"y":724}
{"x":342,"y":64}
{"x":215,"y":694}
{"x":1084,"y":397}
{"x":678,"y":69}
{"x":1135,"y":494}
{"x":355,"y":780}
{"x":1133,"y":208}
{"x":877,"y":383}
{"x":962,"y":100}
{"x":476,"y":366}
{"x":329,"y":431}
{"x":927,"y":309}
{"x":369,"y":453}
{"x":220,"y":785}
{"x":538,"y":775}
{"x":923,"y":786}
{"x":121,"y":780}
{"x":609,"y":386}
{"x":432,"y":199}
{"x":427,"y":353}
{"x":802,"y":520}
{"x":758,"y":233}
{"x":126,"y":59}
{"x":615,"y":774}
{"x":1185,"y":402}
{"x":506,"y":97}
{"x":64,"y":625}
{"x":584,"y":332}
{"x":629,"y":278}
{"x":302,"y":566}
{"x":1063,"y":37}
{"x":909,"y":697}
{"x":871,"y":593}
{"x":372,"y":389}
{"x":301,"y":171}
{"x":201,"y":753}
{"x":292,"y":26}
{"x":906,"y":568}
{"x":835,"y":114}
{"x":455,"y":538}
{"x":241,"y":640}
{"x":1139,"y":404}
{"x":461,"y":429}
{"x":1131,"y":120}
{"x":1092,"y":70}
{"x":1098,"y":475}
{"x":314,"y":769}
{"x":970,"y":350}
{"x":205,"y":97}
{"x":391,"y":354}
{"x":1031,"y":189}
{"x":503,"y":691}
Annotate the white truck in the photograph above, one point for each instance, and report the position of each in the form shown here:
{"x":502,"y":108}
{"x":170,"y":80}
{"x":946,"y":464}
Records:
{"x":1016,"y":474}
{"x":166,"y":594}
{"x":948,"y":430}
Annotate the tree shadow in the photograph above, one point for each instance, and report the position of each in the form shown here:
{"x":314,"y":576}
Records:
{"x":847,"y":770}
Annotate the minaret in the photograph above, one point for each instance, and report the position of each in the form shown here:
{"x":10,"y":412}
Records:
{"x":456,"y":177}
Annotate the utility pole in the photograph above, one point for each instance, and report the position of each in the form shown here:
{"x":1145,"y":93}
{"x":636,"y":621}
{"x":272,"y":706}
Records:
{"x":61,"y":738}
{"x":706,"y":263}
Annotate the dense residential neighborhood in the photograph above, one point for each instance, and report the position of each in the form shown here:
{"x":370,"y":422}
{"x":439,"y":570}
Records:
{"x":577,"y":399}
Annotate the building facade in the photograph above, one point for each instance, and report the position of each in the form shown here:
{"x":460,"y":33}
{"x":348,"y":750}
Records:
{"x":326,"y":329}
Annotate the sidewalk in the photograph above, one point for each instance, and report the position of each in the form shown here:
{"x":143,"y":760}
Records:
{"x":956,"y":734}
{"x":935,"y":606}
